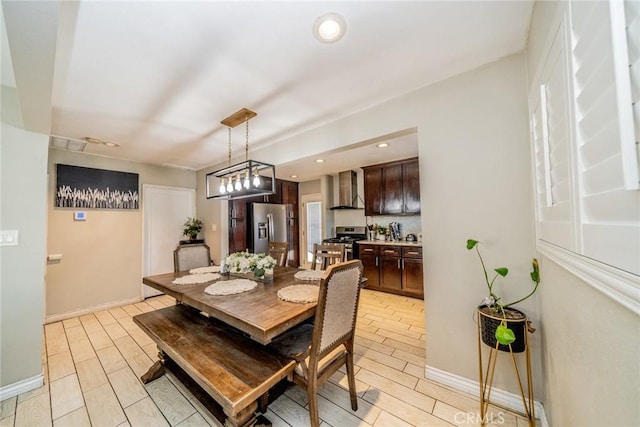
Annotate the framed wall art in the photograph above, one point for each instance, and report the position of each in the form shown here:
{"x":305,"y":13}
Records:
{"x":80,"y":187}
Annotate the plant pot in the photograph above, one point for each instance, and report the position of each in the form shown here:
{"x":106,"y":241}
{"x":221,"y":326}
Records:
{"x":516,"y":321}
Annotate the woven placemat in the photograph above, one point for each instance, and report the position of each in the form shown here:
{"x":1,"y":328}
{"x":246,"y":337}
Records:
{"x":230,"y":287}
{"x":299,"y":293}
{"x":309,"y":275}
{"x":192,"y":279}
{"x":202,"y":270}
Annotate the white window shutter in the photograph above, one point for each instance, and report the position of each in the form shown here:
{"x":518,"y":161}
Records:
{"x":551,"y":136}
{"x":609,"y":212}
{"x":632,"y":23}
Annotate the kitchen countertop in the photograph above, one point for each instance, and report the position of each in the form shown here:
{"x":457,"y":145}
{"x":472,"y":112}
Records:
{"x":384,"y":243}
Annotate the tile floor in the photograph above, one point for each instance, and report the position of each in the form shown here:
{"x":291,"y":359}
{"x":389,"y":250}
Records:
{"x":92,"y":366}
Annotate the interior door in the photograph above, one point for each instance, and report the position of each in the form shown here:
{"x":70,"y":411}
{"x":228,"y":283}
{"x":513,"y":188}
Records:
{"x":311,"y":227}
{"x":165,"y":210}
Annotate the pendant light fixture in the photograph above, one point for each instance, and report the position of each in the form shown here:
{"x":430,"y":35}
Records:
{"x":244,"y":179}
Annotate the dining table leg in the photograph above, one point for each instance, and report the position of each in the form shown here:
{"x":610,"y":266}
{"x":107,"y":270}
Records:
{"x":155,"y":371}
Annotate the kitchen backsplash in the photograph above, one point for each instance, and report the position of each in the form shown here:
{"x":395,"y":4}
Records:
{"x":408,"y":224}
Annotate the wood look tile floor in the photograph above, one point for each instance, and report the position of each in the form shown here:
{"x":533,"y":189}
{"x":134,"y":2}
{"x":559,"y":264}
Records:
{"x":93,"y":363}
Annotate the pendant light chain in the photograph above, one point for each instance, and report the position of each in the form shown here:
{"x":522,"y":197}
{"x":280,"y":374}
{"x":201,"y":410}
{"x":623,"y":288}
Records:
{"x":229,"y":146}
{"x":246,"y":147}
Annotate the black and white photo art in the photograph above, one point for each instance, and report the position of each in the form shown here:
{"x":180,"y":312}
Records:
{"x":80,"y":187}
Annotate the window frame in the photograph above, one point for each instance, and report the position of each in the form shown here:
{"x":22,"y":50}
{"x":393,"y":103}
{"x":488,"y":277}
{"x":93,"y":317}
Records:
{"x":620,"y":285}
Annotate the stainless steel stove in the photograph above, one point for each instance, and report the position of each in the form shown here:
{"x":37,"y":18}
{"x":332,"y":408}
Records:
{"x":347,"y":236}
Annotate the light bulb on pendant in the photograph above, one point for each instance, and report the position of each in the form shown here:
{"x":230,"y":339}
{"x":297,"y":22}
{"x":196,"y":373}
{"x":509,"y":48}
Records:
{"x":230,"y":185}
{"x":246,"y":184}
{"x":238,"y":184}
{"x":256,"y":178}
{"x":223,"y":188}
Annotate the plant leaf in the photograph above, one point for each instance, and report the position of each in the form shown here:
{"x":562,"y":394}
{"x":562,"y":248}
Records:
{"x":503,"y":271}
{"x":471,"y":244}
{"x":505,"y":335}
{"x":535,"y":272}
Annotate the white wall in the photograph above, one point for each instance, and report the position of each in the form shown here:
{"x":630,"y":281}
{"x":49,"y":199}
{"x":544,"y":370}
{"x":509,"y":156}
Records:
{"x":591,"y":344}
{"x":102,"y":256}
{"x":23,"y":186}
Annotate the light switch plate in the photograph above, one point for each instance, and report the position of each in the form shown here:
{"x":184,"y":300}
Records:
{"x":9,"y":238}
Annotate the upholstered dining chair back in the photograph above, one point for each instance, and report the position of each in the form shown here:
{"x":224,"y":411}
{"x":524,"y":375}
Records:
{"x":327,"y":345}
{"x":192,"y":255}
{"x":326,"y":254}
{"x":280,"y":252}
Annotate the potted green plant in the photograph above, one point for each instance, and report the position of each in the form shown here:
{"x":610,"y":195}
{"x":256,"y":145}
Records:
{"x":192,"y":228}
{"x":501,"y":324}
{"x":382,"y":231}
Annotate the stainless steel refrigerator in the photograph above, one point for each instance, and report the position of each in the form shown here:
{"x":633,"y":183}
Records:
{"x":268,"y":223}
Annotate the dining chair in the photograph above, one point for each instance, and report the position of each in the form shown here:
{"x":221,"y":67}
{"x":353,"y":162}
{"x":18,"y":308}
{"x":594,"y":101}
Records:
{"x":326,"y":254}
{"x":192,"y":255}
{"x":279,"y":251}
{"x":327,"y":345}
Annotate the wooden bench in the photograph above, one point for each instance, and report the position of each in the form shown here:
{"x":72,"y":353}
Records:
{"x":233,"y":370}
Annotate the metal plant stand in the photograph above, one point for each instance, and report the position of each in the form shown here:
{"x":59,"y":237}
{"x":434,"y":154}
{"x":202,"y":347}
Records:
{"x":486,"y":376}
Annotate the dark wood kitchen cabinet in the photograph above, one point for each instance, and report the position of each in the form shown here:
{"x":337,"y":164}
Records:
{"x":238,"y":225}
{"x":393,"y":268}
{"x":369,"y":257}
{"x":372,"y":191}
{"x":286,"y":193}
{"x":392,"y":188}
{"x":412,"y":277}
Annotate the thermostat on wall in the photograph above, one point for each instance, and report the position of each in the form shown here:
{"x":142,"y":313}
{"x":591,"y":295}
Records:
{"x":79,"y":216}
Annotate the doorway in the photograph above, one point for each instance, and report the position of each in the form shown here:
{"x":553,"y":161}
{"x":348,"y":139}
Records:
{"x":165,"y":210}
{"x":312,"y":223}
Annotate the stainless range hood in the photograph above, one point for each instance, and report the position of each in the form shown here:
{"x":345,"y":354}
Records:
{"x":347,"y":191}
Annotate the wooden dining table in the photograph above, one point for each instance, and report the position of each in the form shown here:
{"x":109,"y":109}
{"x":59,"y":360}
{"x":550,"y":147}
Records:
{"x":259,"y":313}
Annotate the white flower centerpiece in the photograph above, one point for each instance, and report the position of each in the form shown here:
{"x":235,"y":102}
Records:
{"x":261,"y":265}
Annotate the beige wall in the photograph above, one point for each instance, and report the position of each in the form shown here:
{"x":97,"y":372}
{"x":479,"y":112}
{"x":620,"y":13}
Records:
{"x":23,"y":159}
{"x":475,"y":183}
{"x":591,"y":361}
{"x":102,"y":256}
{"x":212,"y":212}
{"x":591,"y":344}
{"x":309,"y":187}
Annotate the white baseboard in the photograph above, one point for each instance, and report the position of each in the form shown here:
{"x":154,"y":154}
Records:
{"x":11,"y":390}
{"x":498,"y":396}
{"x":76,"y":313}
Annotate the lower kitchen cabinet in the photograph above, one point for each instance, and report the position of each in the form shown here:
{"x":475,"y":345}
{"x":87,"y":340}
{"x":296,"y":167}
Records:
{"x":369,"y":257}
{"x":390,"y":268}
{"x":393,"y":268}
{"x":412,"y":271}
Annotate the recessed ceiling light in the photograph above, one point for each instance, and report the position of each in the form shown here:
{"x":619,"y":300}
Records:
{"x":110,"y":144}
{"x":329,"y":28}
{"x":382,"y":145}
{"x":319,"y":161}
{"x":293,"y":176}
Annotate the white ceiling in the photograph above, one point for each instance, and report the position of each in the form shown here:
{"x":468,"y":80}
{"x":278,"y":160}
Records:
{"x":157,"y":77}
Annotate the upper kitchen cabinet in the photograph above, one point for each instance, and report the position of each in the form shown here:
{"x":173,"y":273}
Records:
{"x":392,"y":188}
{"x":277,"y":196}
